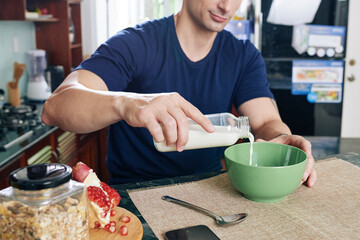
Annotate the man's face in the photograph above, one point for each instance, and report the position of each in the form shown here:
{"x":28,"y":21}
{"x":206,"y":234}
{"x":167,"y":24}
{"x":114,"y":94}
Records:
{"x":211,"y":15}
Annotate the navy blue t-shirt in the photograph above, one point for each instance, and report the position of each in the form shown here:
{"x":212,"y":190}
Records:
{"x":149,"y":59}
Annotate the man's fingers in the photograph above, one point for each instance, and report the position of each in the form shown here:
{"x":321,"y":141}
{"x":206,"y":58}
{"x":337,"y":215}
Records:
{"x":309,"y":167}
{"x":165,"y":116}
{"x":182,"y":123}
{"x":195,"y":114}
{"x":300,"y":142}
{"x":155,"y":130}
{"x":260,"y":140}
{"x":173,"y":119}
{"x":312,"y":178}
{"x":170,"y":129}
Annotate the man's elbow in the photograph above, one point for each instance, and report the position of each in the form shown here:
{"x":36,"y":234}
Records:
{"x":46,"y":114}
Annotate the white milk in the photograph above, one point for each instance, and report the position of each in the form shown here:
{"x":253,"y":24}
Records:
{"x":199,"y":138}
{"x":251,"y":139}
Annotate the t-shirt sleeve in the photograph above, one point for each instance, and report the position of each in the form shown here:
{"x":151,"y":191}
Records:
{"x":252,"y":82}
{"x":118,"y":60}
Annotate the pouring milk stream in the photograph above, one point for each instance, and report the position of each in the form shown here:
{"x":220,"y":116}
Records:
{"x":228,"y":129}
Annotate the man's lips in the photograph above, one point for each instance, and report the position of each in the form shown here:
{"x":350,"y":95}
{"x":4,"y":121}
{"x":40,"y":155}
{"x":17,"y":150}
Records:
{"x":217,"y":18}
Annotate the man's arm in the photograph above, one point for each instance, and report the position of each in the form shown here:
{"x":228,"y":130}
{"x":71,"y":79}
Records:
{"x":82,"y":103}
{"x":264,"y":118}
{"x":81,"y":106}
{"x":266,"y":124}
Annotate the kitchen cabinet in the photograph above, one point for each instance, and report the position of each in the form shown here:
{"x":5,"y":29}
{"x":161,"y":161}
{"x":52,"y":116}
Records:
{"x":52,"y":34}
{"x":88,"y":152}
{"x":88,"y":148}
{"x":18,"y":162}
{"x":102,"y":144}
{"x":39,"y":147}
{"x":64,"y":147}
{"x":92,"y":151}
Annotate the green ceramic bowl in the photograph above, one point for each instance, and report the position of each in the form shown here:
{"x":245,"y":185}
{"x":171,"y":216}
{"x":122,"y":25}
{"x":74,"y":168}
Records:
{"x":276,"y":170}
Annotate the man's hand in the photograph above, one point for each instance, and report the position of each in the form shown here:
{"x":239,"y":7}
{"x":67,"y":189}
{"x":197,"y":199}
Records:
{"x":299,"y":142}
{"x":165,"y":115}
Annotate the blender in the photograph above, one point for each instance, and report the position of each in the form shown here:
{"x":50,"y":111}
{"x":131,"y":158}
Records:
{"x":38,"y":89}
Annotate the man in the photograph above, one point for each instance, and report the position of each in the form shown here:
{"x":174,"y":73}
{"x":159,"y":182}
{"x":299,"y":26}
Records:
{"x":145,"y":82}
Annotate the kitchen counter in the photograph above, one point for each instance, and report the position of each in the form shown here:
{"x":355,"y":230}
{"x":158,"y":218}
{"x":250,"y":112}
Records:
{"x":39,"y":133}
{"x":323,"y":147}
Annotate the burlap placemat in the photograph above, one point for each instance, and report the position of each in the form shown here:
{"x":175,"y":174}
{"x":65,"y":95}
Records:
{"x":329,"y":210}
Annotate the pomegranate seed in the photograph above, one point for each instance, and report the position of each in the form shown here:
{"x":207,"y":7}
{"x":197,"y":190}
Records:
{"x":112,"y":212}
{"x":97,"y":224}
{"x":107,"y":226}
{"x":123,"y":230}
{"x":112,"y":223}
{"x":125,"y":219}
{"x":113,"y":194}
{"x":98,"y":196}
{"x":112,"y":229}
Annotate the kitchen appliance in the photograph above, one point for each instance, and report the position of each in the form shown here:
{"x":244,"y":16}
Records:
{"x":311,"y":106}
{"x":276,"y":46}
{"x":55,"y":75}
{"x":38,"y":89}
{"x":18,"y":123}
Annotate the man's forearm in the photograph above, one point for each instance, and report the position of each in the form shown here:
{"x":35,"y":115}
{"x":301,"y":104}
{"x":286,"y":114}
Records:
{"x":81,"y":110}
{"x":272,"y":130}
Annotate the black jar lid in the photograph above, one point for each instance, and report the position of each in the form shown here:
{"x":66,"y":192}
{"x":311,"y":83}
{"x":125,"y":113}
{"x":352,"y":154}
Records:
{"x":40,"y":176}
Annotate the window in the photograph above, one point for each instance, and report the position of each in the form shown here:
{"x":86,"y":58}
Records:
{"x":102,"y":19}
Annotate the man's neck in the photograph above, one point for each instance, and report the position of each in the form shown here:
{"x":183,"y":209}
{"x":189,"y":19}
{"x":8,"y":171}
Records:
{"x":195,"y":41}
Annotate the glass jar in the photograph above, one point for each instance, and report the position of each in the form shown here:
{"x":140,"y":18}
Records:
{"x":44,"y":203}
{"x":228,"y":129}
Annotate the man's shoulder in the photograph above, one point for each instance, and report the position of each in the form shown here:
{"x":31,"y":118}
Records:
{"x":152,"y":26}
{"x":234,"y":48}
{"x":229,"y":40}
{"x":143,"y":34}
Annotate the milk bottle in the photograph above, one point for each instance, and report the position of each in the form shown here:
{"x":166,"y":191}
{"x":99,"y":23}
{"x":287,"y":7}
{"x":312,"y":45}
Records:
{"x":228,"y":129}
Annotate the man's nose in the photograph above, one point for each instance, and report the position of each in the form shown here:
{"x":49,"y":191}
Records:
{"x":225,"y":5}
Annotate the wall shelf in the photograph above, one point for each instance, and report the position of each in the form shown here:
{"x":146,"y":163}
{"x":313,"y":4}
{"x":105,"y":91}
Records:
{"x":52,"y":34}
{"x":49,"y":20}
{"x":76,"y":45}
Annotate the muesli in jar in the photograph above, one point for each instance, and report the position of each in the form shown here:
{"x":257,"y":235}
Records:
{"x":48,"y":206}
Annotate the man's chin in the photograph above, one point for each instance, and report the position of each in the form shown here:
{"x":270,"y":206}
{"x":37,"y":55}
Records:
{"x":218,"y":30}
{"x":216,"y":27}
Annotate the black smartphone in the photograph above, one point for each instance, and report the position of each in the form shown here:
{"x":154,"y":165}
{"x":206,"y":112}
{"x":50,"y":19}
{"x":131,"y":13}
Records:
{"x":199,"y":232}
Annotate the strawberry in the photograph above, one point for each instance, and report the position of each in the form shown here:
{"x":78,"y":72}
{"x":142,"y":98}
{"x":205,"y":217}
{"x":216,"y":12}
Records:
{"x":101,"y":196}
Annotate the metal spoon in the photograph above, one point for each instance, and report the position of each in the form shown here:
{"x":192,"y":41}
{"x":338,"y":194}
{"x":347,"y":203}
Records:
{"x":220,"y":220}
